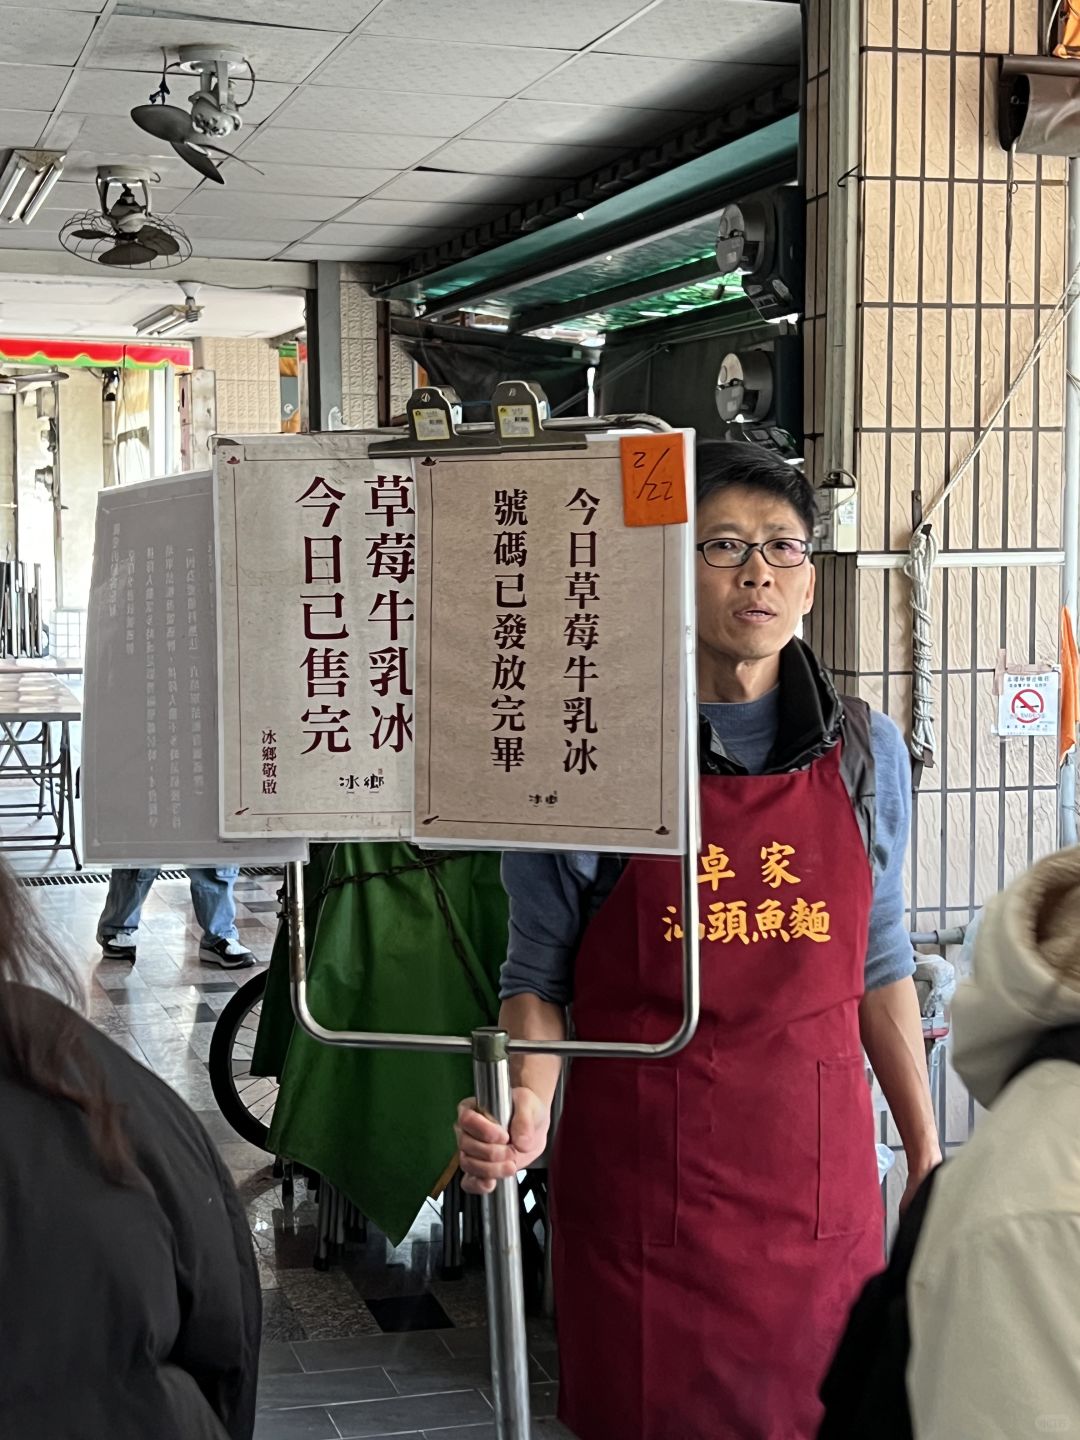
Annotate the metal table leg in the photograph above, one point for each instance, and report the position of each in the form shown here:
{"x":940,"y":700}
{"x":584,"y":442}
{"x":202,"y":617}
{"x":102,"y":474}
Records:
{"x":67,"y":790}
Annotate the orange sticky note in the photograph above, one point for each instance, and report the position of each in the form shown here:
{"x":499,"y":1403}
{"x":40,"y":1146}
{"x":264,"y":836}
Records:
{"x":654,"y":479}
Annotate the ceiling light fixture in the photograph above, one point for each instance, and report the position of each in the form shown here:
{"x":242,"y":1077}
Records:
{"x":22,"y":198}
{"x":169,"y":318}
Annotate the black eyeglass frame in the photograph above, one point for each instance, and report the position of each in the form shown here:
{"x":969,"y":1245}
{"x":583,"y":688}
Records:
{"x":749,"y":546}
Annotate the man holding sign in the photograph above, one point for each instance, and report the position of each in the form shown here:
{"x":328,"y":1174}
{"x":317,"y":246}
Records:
{"x":716,"y":1214}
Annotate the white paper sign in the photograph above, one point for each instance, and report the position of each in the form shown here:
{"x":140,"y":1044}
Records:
{"x":150,"y":736}
{"x":1029,"y":704}
{"x":551,"y":655}
{"x":317,"y":605}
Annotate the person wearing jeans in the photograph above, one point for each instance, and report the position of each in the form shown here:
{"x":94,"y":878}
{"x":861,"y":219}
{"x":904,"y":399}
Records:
{"x":213,"y":903}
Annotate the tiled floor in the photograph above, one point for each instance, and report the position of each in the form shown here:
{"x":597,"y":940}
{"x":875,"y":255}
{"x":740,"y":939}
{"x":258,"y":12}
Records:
{"x":342,"y":1354}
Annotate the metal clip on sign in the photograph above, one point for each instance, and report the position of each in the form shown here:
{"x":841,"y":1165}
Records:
{"x":520,"y":423}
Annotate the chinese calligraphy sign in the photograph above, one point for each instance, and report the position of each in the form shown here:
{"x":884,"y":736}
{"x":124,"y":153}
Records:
{"x":318,"y":549}
{"x":549,"y":677}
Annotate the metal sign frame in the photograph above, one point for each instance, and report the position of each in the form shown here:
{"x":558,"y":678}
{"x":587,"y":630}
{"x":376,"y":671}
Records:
{"x":491,"y":1047}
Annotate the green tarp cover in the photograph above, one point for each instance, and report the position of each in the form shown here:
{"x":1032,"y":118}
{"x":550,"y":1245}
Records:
{"x":398,"y":939}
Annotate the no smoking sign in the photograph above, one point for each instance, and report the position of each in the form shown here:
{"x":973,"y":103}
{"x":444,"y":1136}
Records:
{"x":1028,"y":704}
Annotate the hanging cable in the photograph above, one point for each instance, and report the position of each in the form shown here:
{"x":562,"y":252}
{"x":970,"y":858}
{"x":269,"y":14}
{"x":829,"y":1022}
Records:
{"x":923,"y":547}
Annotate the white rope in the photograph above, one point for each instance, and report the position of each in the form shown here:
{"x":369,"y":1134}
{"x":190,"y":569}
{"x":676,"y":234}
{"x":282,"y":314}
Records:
{"x":919,"y":569}
{"x":923,"y":547}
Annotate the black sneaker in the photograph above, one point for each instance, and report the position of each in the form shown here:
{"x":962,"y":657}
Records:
{"x":226,"y":954}
{"x":120,"y":946}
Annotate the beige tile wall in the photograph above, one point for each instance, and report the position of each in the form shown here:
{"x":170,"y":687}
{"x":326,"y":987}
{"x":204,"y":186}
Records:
{"x":247,"y":384}
{"x":359,"y":373}
{"x":962,"y":256}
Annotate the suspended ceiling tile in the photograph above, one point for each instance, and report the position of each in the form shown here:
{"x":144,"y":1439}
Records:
{"x":29,"y":36}
{"x":442,"y":69}
{"x":350,"y":148}
{"x":237,"y":249}
{"x":117,"y":92}
{"x":376,"y":253}
{"x":448,"y":185}
{"x":548,"y":123}
{"x":304,"y":179}
{"x":231,"y":227}
{"x":134,"y":42}
{"x":405,"y":236}
{"x":21,"y":127}
{"x":339,"y":16}
{"x":648,"y":83}
{"x":86,"y":6}
{"x":384,"y":112}
{"x":554,"y":24}
{"x":761,"y":32}
{"x":492,"y":157}
{"x":31,"y":87}
{"x":214,"y":200}
{"x":419,"y":213}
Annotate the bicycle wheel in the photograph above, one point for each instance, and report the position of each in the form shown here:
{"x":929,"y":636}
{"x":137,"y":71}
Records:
{"x":247,"y":1101}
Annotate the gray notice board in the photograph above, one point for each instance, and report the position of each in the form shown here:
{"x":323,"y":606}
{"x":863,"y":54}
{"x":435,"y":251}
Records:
{"x":150,"y":728}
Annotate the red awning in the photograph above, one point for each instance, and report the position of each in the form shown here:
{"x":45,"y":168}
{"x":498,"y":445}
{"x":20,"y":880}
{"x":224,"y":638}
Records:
{"x":93,"y":354}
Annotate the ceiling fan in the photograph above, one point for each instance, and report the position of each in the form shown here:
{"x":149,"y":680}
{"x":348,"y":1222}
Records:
{"x":214,"y":113}
{"x":123,"y":233}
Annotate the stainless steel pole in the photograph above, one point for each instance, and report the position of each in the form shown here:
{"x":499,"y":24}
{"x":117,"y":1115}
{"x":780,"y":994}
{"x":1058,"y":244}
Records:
{"x":502,"y":1250}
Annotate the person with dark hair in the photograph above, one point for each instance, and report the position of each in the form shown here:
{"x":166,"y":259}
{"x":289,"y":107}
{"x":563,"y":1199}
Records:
{"x":131,"y":1302}
{"x":716,"y":1214}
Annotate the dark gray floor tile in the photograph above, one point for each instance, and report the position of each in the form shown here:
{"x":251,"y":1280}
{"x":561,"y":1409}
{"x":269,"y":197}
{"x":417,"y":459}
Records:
{"x":467,"y":1343}
{"x":543,"y":1399}
{"x":278,"y":1358}
{"x":428,"y":1379}
{"x":409,"y":1346}
{"x":462,"y":1432}
{"x":547,"y":1357}
{"x":413,"y":1413}
{"x":464,"y":1374}
{"x":541,"y":1430}
{"x":295,"y":1425}
{"x":326,"y":1387}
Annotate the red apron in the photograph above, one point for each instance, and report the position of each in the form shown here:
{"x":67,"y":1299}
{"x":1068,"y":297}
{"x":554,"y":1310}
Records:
{"x":716,"y":1214}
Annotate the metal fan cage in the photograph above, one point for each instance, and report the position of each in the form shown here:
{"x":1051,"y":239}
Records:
{"x":107,"y":238}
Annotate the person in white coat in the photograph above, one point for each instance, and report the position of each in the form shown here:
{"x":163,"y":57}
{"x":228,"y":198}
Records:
{"x":992,"y":1293}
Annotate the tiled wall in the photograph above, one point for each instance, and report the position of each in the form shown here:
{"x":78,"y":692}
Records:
{"x":961,"y":257}
{"x":247,"y":384}
{"x":359,"y":373}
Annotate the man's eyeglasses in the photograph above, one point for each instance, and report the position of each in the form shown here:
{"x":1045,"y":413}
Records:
{"x":783,"y":554}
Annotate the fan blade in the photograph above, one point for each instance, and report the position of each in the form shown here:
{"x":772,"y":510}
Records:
{"x":127,"y":253}
{"x":198,"y":160}
{"x":89,"y":235}
{"x":228,"y":154}
{"x":166,"y":122}
{"x":157,"y":240}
